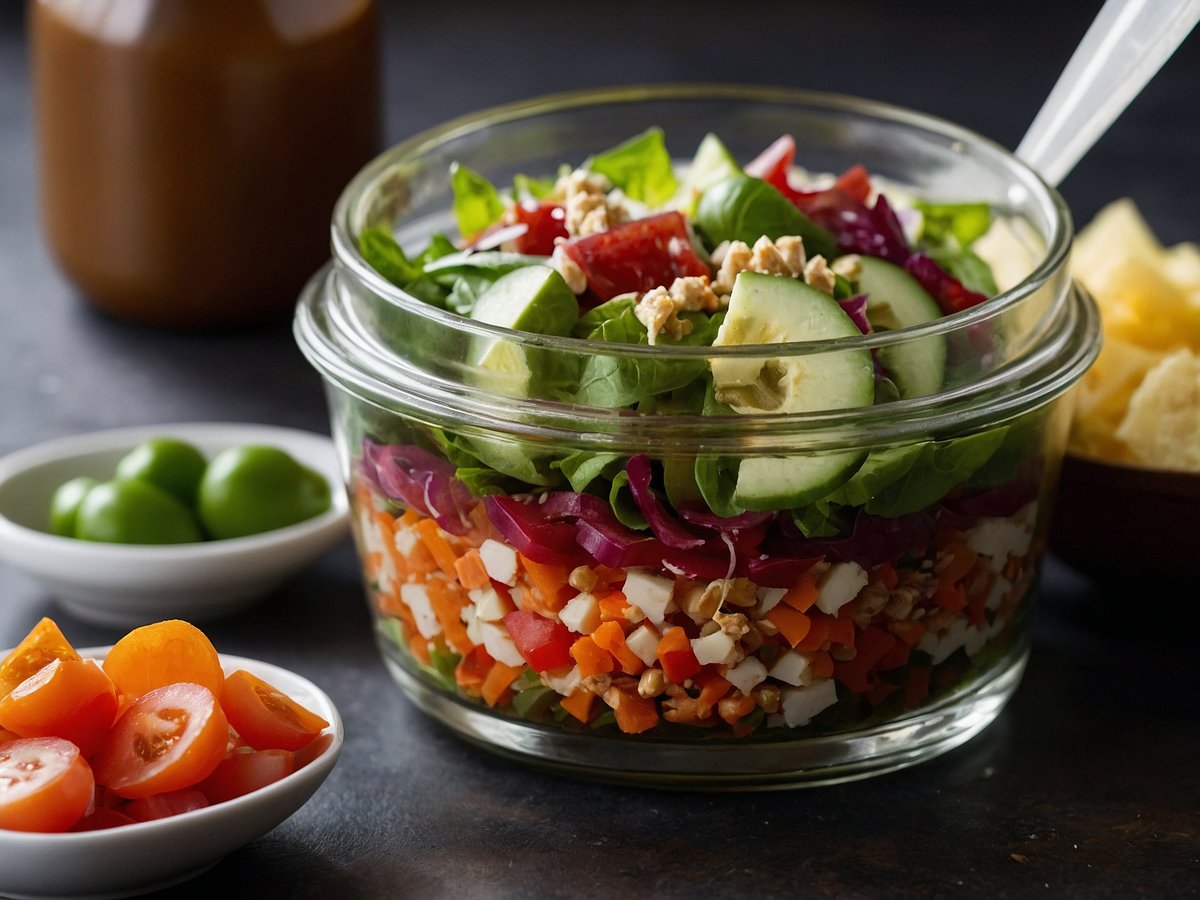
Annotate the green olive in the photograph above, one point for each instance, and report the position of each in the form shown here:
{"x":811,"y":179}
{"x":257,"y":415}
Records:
{"x":64,"y":505}
{"x":132,"y":511}
{"x":169,"y":463}
{"x":252,"y":489}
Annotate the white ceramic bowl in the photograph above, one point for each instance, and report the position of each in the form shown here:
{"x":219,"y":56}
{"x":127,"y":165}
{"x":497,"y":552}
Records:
{"x":134,"y":859}
{"x":125,"y":584}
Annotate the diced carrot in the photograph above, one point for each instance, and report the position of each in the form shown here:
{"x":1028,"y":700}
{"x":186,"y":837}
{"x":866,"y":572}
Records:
{"x":886,"y":573}
{"x":634,"y":714}
{"x":976,"y":609}
{"x":880,"y":692}
{"x":612,"y":608}
{"x":841,"y":632}
{"x":675,"y":653}
{"x":592,"y":660}
{"x":498,"y":680}
{"x":793,"y":625}
{"x":908,"y":630}
{"x":419,"y":647}
{"x":959,"y":560}
{"x":871,"y":646}
{"x":408,"y":519}
{"x":950,"y":596}
{"x":481,"y":526}
{"x":439,"y":548}
{"x":549,"y":583}
{"x":916,"y":688}
{"x":894,"y":658}
{"x":448,"y":600}
{"x":818,"y":634}
{"x":472,"y":669}
{"x":470,"y":570}
{"x":733,"y":709}
{"x":821,"y":664}
{"x":611,"y":637}
{"x":712,"y":686}
{"x":372,"y":562}
{"x":579,"y":704}
{"x":803,"y":595}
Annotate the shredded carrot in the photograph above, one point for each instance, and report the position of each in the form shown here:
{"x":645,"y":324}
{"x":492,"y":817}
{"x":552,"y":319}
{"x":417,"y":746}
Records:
{"x":496,"y":684}
{"x":803,"y":595}
{"x":470,"y":571}
{"x":547,"y":581}
{"x":610,"y":636}
{"x":612,"y":608}
{"x":950,"y":596}
{"x":916,"y":688}
{"x":821,"y":664}
{"x":579,"y":704}
{"x":372,"y":563}
{"x":409,"y":518}
{"x":439,"y":548}
{"x":592,"y":660}
{"x":472,"y":669}
{"x":961,"y":560}
{"x":712,"y":686}
{"x":793,"y":625}
{"x":448,"y":600}
{"x":634,"y":714}
{"x":908,"y":630}
{"x":420,"y":648}
{"x":886,"y":573}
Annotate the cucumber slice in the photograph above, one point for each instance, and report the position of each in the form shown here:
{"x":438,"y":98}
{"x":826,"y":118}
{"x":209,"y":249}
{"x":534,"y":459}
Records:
{"x":895,"y":300}
{"x":712,"y":163}
{"x":767,"y":309}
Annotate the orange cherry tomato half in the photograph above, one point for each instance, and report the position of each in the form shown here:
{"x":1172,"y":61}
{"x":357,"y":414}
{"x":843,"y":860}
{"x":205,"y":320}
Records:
{"x":45,"y":785}
{"x":312,"y":751}
{"x":241,"y":773}
{"x":164,"y":653}
{"x":44,"y":643}
{"x":161,"y":806}
{"x":168,"y":739}
{"x":68,"y":698}
{"x":102,"y":818}
{"x":265,"y":717}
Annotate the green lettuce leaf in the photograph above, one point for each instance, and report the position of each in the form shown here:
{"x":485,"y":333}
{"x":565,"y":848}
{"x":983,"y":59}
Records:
{"x":477,"y":204}
{"x":379,"y":248}
{"x":641,"y":167}
{"x":963,"y":221}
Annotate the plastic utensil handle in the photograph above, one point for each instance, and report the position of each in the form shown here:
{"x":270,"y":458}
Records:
{"x":1126,"y":45}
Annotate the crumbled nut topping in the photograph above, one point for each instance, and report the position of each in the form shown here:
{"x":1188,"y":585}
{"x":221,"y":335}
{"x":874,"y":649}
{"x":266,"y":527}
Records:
{"x":569,"y":270}
{"x":819,"y":276}
{"x":659,"y":308}
{"x":782,"y":256}
{"x":767,"y":696}
{"x":582,"y":578}
{"x":596,"y":684}
{"x":652,"y":683}
{"x":591,"y":205}
{"x":736,"y":625}
{"x":848,"y":266}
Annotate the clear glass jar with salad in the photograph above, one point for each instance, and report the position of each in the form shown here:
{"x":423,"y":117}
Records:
{"x":673,"y":461}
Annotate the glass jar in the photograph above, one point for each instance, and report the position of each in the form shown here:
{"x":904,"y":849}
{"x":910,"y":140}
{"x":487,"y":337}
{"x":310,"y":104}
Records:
{"x":898,"y":635}
{"x":190,"y":151}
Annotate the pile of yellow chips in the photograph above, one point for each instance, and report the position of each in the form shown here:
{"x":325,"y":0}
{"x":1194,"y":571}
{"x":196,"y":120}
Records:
{"x":1140,"y":403}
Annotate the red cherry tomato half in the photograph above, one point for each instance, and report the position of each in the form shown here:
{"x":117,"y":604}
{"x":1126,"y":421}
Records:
{"x":773,"y":165}
{"x":169,"y":739}
{"x":544,"y":223}
{"x":67,"y":698}
{"x":265,"y":717}
{"x":102,"y":818}
{"x":242,"y":773}
{"x":45,"y":785}
{"x":162,"y":806}
{"x":545,"y":644}
{"x":637,"y":255}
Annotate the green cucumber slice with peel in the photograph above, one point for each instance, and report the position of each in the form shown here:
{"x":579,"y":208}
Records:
{"x":895,"y":300}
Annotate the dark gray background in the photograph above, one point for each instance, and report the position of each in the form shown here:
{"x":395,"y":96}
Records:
{"x":1086,"y":786}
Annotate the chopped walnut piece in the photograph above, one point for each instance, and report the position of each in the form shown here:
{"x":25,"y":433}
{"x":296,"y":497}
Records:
{"x":848,"y":266}
{"x":596,"y":684}
{"x":652,"y":683}
{"x":656,"y":310}
{"x":736,"y":259}
{"x":569,"y":270}
{"x":591,"y":206}
{"x":741,"y":592}
{"x":702,"y":605}
{"x":818,"y":275}
{"x":582,"y":578}
{"x":736,"y":625}
{"x":735,"y":706}
{"x":782,"y":256}
{"x":692,"y":293}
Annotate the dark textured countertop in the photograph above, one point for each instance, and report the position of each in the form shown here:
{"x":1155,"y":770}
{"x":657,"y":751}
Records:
{"x":1087,"y":784}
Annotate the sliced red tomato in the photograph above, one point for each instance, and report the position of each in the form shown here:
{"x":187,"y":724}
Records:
{"x":102,"y":818}
{"x":240,"y":773}
{"x":545,"y":222}
{"x":162,"y":806}
{"x":312,"y":751}
{"x":71,"y":699}
{"x":265,"y":717}
{"x":168,"y":739}
{"x":773,"y":165}
{"x":45,"y":785}
{"x":855,"y":182}
{"x":545,"y":644}
{"x":637,"y":255}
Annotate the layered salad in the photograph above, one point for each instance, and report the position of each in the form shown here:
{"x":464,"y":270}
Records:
{"x":672,"y":593}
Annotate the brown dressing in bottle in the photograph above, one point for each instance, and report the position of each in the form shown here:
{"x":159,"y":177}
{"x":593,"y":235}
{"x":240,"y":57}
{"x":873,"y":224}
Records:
{"x":191,"y":151}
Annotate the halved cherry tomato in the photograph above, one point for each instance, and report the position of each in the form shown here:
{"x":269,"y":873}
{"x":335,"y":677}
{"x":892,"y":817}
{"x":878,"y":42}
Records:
{"x":102,"y":817}
{"x":6,"y":735}
{"x":544,"y":223}
{"x":544,"y":643}
{"x":161,"y":806}
{"x":43,"y":644}
{"x":170,"y":738}
{"x":241,"y":773}
{"x":164,"y":653}
{"x":45,"y":785}
{"x":265,"y":717}
{"x":70,"y":699}
{"x":312,"y":751}
{"x":637,"y":255}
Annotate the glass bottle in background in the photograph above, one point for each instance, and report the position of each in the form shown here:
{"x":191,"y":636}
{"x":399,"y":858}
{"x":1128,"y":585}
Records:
{"x":190,"y":151}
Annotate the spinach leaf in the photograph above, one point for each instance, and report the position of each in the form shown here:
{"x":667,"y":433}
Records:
{"x":526,"y":187}
{"x":583,"y":467}
{"x":591,"y":320}
{"x":516,"y":458}
{"x":934,"y":469}
{"x":622,"y":503}
{"x":964,"y":221}
{"x":743,"y":208}
{"x":641,"y":167}
{"x":716,"y":478}
{"x":379,"y":248}
{"x":439,"y":246}
{"x":476,"y":201}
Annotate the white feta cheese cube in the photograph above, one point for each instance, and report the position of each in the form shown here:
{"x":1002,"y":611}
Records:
{"x":1000,"y":588}
{"x":500,"y":645}
{"x":643,"y":641}
{"x":975,"y":639}
{"x":499,"y":561}
{"x":768,"y":599}
{"x":999,"y":539}
{"x":416,"y":598}
{"x":405,"y":541}
{"x":791,"y":668}
{"x":649,"y":593}
{"x":839,"y":585}
{"x":562,"y":681}
{"x":715,"y":648}
{"x":928,"y":643}
{"x":474,"y":634}
{"x":581,"y":613}
{"x":955,"y":637}
{"x":489,"y":605}
{"x":747,"y":675}
{"x":801,"y":704}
